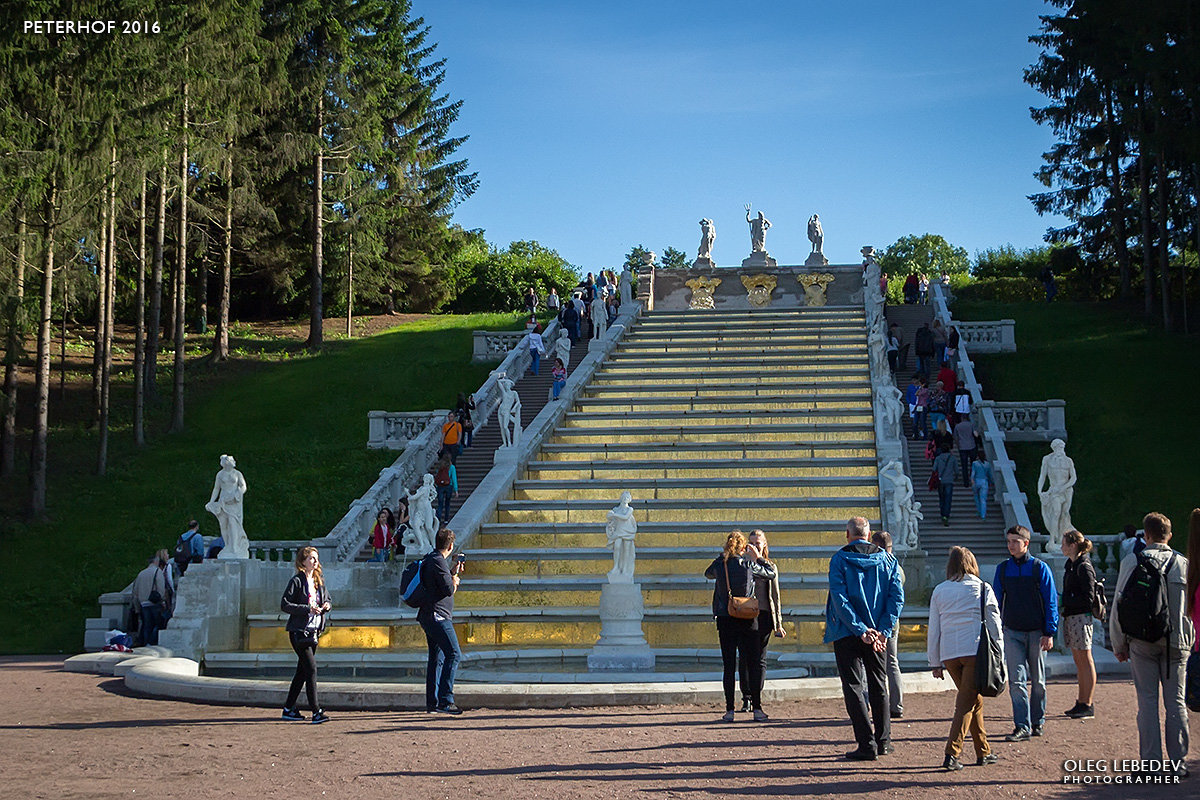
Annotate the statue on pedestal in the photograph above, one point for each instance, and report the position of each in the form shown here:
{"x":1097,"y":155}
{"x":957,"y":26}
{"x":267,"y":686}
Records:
{"x":599,"y":316}
{"x":890,"y":403}
{"x":422,"y":519}
{"x":562,"y":347}
{"x":509,"y":412}
{"x":621,"y":530}
{"x":625,"y":287}
{"x":816,"y":235}
{"x":1058,"y":473}
{"x":904,"y":513}
{"x":226,"y":505}
{"x":758,"y":231}
{"x":708,"y":235}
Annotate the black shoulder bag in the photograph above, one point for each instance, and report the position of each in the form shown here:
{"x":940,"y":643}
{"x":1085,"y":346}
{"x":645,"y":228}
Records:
{"x":990,"y":675}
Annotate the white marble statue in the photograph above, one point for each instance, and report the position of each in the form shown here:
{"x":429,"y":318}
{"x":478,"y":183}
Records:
{"x":562,"y":348}
{"x":904,"y":513}
{"x":815,"y":234}
{"x":509,"y":412}
{"x":621,"y":530}
{"x":422,"y":519}
{"x":1058,"y":474}
{"x":599,"y":317}
{"x":625,"y":286}
{"x":708,"y":235}
{"x":758,"y":231}
{"x":226,"y":505}
{"x":877,"y":351}
{"x":889,"y":401}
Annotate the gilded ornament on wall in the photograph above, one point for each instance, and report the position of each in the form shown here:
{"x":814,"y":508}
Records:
{"x":702,"y":292}
{"x":759,"y":288}
{"x":815,"y":285}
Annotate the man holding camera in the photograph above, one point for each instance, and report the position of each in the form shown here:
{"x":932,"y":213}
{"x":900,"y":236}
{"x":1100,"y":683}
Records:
{"x":435,"y":616}
{"x":863,"y":610}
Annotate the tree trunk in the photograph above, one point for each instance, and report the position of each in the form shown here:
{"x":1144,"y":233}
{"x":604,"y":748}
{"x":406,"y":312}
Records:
{"x":41,"y":418}
{"x":221,"y":340}
{"x":139,"y":332}
{"x":181,"y":273}
{"x":101,"y":307}
{"x":1164,"y":264}
{"x":1117,"y":198}
{"x":349,"y":284}
{"x":8,"y":432}
{"x":110,"y":291}
{"x":156,"y":287}
{"x":1147,"y":238}
{"x":316,"y":312}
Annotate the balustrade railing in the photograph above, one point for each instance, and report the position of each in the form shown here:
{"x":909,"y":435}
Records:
{"x":392,"y":430}
{"x":997,"y":336}
{"x":1031,"y":421}
{"x":494,"y":345}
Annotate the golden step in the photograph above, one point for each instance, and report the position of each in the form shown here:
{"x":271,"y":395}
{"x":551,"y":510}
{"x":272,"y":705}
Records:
{"x":761,"y":433}
{"x":716,"y":452}
{"x":680,"y":538}
{"x":691,"y":514}
{"x":575,"y":420}
{"x":586,"y":492}
{"x":617,"y":469}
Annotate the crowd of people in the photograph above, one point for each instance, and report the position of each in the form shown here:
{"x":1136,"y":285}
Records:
{"x":1152,"y":624}
{"x":153,"y":589}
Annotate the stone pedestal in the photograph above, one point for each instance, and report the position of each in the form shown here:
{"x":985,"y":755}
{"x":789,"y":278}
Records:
{"x":506,"y":455}
{"x":622,"y":646}
{"x":596,"y":346}
{"x":704,"y":263}
{"x":759,"y":259}
{"x":816,"y":260}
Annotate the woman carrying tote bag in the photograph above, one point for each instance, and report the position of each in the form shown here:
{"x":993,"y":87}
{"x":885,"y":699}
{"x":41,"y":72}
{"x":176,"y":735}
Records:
{"x":954,"y":627}
{"x":737,"y":627}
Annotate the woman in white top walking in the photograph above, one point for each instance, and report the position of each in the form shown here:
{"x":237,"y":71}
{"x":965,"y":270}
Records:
{"x":954,"y":616}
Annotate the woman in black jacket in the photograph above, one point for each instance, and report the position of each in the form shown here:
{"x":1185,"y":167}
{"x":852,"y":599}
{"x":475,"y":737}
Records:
{"x":1079,"y":590}
{"x":736,"y":568}
{"x":306,"y":601}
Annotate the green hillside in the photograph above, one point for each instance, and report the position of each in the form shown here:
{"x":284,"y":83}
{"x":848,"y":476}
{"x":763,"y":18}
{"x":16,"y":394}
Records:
{"x":296,"y":424}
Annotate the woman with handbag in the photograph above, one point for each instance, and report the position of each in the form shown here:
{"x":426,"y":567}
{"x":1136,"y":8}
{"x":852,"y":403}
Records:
{"x":306,"y":601}
{"x":955,"y":610}
{"x":735,"y":606}
{"x":770,"y":619}
{"x":1079,"y":593}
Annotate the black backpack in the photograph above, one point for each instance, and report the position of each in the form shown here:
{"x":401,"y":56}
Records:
{"x":1142,"y":609}
{"x":412,"y":588}
{"x":924,"y":341}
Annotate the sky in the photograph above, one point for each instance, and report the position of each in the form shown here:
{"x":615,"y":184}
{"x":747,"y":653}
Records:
{"x":598,"y":126}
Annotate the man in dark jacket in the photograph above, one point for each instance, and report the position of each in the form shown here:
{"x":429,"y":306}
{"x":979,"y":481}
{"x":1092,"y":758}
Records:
{"x":923,"y":344}
{"x":1028,"y":600}
{"x":435,"y":616}
{"x":861,"y":614}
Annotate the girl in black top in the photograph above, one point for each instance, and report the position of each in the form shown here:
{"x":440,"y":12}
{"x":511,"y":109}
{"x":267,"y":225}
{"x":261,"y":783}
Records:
{"x":1079,"y":589}
{"x":741,"y":562}
{"x":306,"y":601}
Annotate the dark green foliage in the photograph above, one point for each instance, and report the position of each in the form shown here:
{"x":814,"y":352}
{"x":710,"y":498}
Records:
{"x":929,"y":254}
{"x":497,"y":280}
{"x":675,"y":259}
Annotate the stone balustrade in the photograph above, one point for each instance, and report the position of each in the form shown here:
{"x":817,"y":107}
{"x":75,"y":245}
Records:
{"x":278,"y":549}
{"x":1030,"y":421}
{"x":392,"y":430}
{"x":999,"y":336}
{"x":494,"y":345}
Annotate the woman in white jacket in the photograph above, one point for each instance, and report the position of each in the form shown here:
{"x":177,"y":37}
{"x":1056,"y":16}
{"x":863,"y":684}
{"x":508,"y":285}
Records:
{"x":954,"y":615}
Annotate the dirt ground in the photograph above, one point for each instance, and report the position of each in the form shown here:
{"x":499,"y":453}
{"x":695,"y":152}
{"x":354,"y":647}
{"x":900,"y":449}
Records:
{"x":78,"y":736}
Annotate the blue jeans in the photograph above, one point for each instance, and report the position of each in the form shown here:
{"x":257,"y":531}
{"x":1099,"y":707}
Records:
{"x":945,"y":497}
{"x":921,"y":423}
{"x":152,"y":622}
{"x":444,"y":493}
{"x":378,"y":554}
{"x":558,"y":387}
{"x":444,"y":655}
{"x":981,"y":493}
{"x":1026,"y":662}
{"x":535,"y":359}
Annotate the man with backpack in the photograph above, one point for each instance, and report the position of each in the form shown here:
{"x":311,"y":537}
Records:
{"x":924,"y":346}
{"x":436,"y":617}
{"x":1150,"y":628}
{"x":189,"y":549}
{"x":1028,"y":600}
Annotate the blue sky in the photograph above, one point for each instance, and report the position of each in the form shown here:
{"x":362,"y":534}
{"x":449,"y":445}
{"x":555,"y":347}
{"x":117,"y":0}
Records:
{"x":598,"y":126}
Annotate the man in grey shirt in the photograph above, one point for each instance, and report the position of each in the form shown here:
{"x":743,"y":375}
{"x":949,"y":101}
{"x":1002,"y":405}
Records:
{"x":964,"y":440}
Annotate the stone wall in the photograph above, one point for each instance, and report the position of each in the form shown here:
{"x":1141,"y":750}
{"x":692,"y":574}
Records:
{"x":671,"y":292}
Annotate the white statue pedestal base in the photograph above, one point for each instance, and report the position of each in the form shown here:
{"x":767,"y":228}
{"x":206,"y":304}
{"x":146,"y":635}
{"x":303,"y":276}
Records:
{"x":595,"y":345}
{"x":506,"y":454}
{"x":816,"y":260}
{"x":760,"y":259}
{"x":703,"y":263}
{"x":622,"y":646}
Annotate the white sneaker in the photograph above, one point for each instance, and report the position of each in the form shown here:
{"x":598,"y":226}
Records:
{"x":760,"y":715}
{"x":728,"y":717}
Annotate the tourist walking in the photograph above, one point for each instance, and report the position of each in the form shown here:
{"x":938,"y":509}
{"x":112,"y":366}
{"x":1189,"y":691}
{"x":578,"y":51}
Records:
{"x":152,"y":593}
{"x":981,"y":481}
{"x":862,"y":612}
{"x":436,"y":617}
{"x":964,"y":440}
{"x":923,"y":345}
{"x":1028,"y":602}
{"x":923,"y":289}
{"x":770,"y":619}
{"x":911,"y":288}
{"x":537,"y":348}
{"x":939,"y":344}
{"x":463,"y":408}
{"x":531,"y":302}
{"x":1078,"y":600}
{"x":945,"y":466}
{"x":552,"y":300}
{"x":445,"y":482}
{"x":895,"y":685}
{"x":306,"y":602}
{"x":452,"y":432}
{"x":189,"y":549}
{"x":1156,"y":640}
{"x":955,"y":610}
{"x":735,"y":571}
{"x":382,"y":535}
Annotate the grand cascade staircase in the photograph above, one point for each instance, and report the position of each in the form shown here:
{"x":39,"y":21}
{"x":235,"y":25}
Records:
{"x":712,"y":420}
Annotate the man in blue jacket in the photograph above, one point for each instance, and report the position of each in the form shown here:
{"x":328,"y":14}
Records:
{"x":863,"y":610}
{"x":1028,"y":601}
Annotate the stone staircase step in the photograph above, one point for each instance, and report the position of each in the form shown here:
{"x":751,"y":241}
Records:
{"x":679,"y":468}
{"x":783,"y":448}
{"x":687,"y":509}
{"x":840,"y":377}
{"x":685,"y":420}
{"x":764,"y":432}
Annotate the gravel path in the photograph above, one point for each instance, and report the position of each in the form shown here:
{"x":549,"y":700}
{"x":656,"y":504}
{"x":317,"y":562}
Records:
{"x":67,"y":735}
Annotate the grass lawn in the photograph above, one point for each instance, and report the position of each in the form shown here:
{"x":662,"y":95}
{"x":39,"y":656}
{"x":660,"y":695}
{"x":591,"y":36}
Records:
{"x":297,"y":425}
{"x":1132,"y":413}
